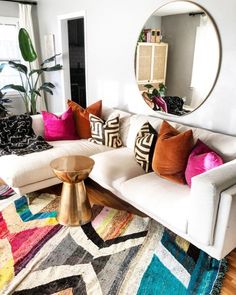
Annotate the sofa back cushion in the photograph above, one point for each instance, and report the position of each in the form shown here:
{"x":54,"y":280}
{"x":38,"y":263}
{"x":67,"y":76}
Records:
{"x":171,"y":153}
{"x":108,"y":112}
{"x":224,"y":145}
{"x":38,"y":125}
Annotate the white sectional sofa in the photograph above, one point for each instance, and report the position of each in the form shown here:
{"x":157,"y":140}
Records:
{"x":205,"y":215}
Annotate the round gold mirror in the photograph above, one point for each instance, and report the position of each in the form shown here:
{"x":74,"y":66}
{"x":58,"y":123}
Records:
{"x":177,"y":58}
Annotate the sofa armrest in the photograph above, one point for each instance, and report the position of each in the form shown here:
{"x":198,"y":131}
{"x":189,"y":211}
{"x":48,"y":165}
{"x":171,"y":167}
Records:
{"x":205,"y":195}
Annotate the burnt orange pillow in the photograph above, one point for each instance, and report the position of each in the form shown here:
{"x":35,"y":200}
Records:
{"x":171,"y":153}
{"x":81,"y":116}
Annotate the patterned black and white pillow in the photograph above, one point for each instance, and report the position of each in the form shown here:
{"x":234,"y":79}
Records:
{"x":144,"y":146}
{"x":105,"y":132}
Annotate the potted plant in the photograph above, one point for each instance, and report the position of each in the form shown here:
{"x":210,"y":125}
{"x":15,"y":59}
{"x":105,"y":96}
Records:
{"x":155,"y":97}
{"x":168,"y":104}
{"x":30,"y":89}
{"x":152,"y":92}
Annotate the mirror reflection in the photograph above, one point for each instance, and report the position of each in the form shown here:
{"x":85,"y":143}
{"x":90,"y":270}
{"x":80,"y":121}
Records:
{"x":177,"y":58}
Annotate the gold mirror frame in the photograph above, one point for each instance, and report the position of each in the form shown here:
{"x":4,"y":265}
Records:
{"x":166,"y":100}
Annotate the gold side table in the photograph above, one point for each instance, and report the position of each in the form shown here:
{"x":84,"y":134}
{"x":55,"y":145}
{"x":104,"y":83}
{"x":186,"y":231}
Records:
{"x":74,"y":207}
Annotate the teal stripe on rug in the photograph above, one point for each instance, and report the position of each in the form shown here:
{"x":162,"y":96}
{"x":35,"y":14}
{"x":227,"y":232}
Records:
{"x":204,"y":274}
{"x":22,"y":209}
{"x":168,"y":284}
{"x":180,"y":255}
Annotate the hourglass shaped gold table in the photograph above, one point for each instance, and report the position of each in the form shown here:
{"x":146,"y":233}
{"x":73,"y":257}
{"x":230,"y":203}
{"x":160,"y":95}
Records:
{"x":74,"y":207}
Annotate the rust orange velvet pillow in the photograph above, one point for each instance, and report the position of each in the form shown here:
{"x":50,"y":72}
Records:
{"x":81,"y":116}
{"x":171,"y":153}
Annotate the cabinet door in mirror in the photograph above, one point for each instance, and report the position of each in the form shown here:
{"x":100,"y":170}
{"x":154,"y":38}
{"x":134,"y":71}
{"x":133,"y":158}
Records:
{"x":177,"y":58}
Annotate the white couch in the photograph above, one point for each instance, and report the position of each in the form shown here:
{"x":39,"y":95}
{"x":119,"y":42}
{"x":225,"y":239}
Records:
{"x":205,"y":215}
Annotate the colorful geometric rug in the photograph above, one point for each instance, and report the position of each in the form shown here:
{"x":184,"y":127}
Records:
{"x":5,"y":192}
{"x":118,"y":253}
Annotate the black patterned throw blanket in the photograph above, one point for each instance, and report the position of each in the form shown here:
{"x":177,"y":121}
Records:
{"x":17,"y":136}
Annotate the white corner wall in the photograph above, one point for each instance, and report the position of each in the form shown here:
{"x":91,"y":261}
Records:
{"x":112,"y":31}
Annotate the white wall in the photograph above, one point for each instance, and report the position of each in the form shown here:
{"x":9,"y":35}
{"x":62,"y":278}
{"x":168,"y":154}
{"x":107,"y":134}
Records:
{"x":179,"y":31}
{"x":154,"y":22}
{"x":9,"y":9}
{"x":112,"y":31}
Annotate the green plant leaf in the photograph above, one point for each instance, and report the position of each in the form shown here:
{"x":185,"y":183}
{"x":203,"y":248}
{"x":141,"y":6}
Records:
{"x":26,"y":47}
{"x":155,"y":92}
{"x":35,"y":91}
{"x":148,"y":86}
{"x":149,"y":95}
{"x":14,"y":87}
{"x":19,"y":67}
{"x":48,"y":84}
{"x":57,"y":67}
{"x":52,"y":58}
{"x":46,"y":89}
{"x":2,"y":66}
{"x":39,"y":71}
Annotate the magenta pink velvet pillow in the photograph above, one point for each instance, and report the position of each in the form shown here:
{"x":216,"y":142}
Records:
{"x":59,"y":127}
{"x":201,"y":159}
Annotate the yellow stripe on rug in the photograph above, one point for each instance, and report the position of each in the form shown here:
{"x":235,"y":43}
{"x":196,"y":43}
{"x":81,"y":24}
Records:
{"x":6,"y":263}
{"x":113,"y":224}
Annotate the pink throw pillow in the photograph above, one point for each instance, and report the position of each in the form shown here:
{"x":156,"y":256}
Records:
{"x":59,"y":127}
{"x":201,"y":159}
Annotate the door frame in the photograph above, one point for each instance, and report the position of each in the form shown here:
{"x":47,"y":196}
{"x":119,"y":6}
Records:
{"x":64,"y":49}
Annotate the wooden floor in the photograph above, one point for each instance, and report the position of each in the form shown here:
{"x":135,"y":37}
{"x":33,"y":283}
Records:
{"x":100,"y":196}
{"x":229,"y":285}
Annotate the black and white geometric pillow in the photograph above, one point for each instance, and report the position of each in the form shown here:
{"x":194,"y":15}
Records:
{"x":144,"y":146}
{"x":105,"y":132}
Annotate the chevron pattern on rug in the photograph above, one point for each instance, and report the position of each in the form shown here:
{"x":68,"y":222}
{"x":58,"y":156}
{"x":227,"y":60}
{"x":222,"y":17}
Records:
{"x":20,"y":238}
{"x":117,"y":253}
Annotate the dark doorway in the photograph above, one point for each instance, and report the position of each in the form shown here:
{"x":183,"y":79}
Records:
{"x":77,"y":60}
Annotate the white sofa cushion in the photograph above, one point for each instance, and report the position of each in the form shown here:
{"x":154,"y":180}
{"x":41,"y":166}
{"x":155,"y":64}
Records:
{"x":22,"y":170}
{"x":107,"y":112}
{"x":224,"y":145}
{"x":136,"y":122}
{"x":38,"y":125}
{"x":114,"y":167}
{"x":161,"y":199}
